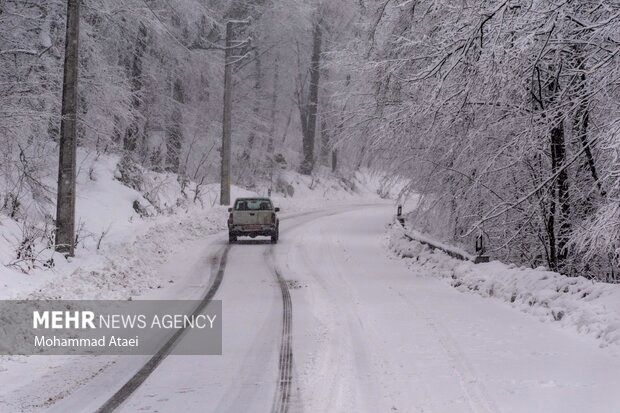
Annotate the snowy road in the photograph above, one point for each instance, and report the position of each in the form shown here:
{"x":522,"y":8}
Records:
{"x":368,"y":335}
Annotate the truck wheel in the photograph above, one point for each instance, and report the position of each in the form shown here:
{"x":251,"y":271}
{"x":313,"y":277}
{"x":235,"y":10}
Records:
{"x":232,"y":238}
{"x":274,"y":237}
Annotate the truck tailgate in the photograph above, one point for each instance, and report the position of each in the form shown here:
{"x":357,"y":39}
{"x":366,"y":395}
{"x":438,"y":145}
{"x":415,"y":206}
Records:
{"x":252,"y":217}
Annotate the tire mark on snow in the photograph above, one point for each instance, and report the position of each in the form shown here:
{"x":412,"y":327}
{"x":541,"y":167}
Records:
{"x":141,"y":375}
{"x":286,"y":353}
{"x":281,"y":403}
{"x":346,"y":330}
{"x":285,"y":363}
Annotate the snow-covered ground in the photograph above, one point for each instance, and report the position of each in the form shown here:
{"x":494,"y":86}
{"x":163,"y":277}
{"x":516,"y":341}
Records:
{"x":119,"y":251}
{"x":369,"y":330}
{"x":589,"y":307}
{"x":368,"y":335}
{"x":163,"y":255}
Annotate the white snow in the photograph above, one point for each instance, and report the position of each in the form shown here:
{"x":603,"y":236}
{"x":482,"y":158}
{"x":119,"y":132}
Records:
{"x":371,"y":331}
{"x":589,"y":307}
{"x":163,"y":256}
{"x":132,"y":247}
{"x":370,"y":335}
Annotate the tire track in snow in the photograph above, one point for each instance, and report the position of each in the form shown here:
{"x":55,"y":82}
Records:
{"x":285,"y":366}
{"x":281,"y":403}
{"x":282,"y":398}
{"x":141,"y":375}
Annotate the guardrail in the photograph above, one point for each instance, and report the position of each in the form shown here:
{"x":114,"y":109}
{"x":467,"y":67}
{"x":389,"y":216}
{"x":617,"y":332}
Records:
{"x":452,"y":252}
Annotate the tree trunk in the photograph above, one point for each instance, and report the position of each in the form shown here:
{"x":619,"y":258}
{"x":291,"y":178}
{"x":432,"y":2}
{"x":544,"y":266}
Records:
{"x":274,"y":106}
{"x":272,"y":128}
{"x":247,"y":151}
{"x":130,"y":141}
{"x":324,"y":143}
{"x":174,"y":138}
{"x":582,"y":122}
{"x":310,"y":131}
{"x":560,"y":193}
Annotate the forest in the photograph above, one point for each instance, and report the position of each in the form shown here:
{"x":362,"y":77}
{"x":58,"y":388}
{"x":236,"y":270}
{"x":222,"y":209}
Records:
{"x":502,"y":116}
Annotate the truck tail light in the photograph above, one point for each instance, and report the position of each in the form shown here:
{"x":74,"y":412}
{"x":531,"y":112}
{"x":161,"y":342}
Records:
{"x":273,"y":217}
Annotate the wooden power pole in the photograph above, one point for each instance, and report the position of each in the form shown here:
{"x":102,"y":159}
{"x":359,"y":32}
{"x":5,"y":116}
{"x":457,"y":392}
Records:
{"x":65,"y":206}
{"x":226,"y":121}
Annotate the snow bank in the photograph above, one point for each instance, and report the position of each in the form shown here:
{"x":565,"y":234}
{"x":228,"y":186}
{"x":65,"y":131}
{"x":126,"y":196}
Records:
{"x":575,"y":302}
{"x":119,"y":246}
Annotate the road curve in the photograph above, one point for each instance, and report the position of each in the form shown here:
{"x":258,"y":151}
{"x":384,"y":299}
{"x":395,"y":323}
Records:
{"x":369,"y":335}
{"x":259,"y":254}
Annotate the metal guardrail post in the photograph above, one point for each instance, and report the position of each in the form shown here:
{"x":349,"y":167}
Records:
{"x":399,"y":215}
{"x":481,"y":257}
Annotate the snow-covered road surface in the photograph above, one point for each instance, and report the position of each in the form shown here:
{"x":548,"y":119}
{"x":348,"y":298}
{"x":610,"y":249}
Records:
{"x":368,"y":335}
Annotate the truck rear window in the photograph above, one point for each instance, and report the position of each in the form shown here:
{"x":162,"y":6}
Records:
{"x":252,"y":204}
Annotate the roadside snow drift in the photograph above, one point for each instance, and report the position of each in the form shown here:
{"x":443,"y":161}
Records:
{"x":576,"y":302}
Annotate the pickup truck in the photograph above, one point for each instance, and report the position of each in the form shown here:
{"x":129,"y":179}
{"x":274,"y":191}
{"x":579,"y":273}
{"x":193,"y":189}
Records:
{"x":252,"y":217}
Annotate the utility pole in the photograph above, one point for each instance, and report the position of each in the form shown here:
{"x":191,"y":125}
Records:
{"x":272,"y":129}
{"x":307,"y":165}
{"x":226,"y":121}
{"x":65,"y":206}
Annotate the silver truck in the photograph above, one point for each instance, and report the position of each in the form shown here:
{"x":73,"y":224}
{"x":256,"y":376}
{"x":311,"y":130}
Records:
{"x":252,"y":217}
